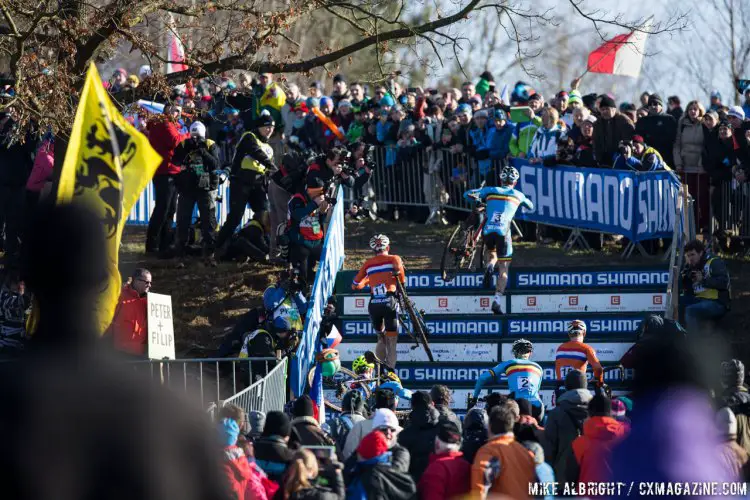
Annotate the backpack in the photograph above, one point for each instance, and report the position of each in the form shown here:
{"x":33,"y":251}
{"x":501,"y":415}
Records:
{"x":341,"y":430}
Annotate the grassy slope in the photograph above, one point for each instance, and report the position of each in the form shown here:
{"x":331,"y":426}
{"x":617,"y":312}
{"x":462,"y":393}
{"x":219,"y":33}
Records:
{"x":208,"y":300}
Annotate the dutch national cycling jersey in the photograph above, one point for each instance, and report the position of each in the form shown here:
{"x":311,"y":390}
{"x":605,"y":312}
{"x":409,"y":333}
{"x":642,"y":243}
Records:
{"x":502,"y":204}
{"x":524,"y":378}
{"x":378,"y":272}
{"x":576,"y":355}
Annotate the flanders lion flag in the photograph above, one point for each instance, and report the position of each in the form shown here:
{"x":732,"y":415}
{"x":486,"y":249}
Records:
{"x":107,"y":166}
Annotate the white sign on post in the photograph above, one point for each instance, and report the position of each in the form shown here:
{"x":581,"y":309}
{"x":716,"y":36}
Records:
{"x":160,"y":326}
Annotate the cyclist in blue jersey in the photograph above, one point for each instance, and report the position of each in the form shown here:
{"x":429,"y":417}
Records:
{"x":502,"y":203}
{"x":524,"y":377}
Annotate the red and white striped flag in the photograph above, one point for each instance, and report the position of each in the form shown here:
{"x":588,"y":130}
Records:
{"x":175,"y":50}
{"x":622,"y":55}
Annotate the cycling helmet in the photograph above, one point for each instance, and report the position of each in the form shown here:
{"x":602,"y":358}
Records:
{"x":379,"y":242}
{"x":360,"y":365}
{"x":397,"y":389}
{"x":509,"y":175}
{"x":521,"y":347}
{"x":576,"y":327}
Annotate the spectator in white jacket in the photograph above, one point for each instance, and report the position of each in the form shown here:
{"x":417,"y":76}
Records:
{"x":543,"y":146}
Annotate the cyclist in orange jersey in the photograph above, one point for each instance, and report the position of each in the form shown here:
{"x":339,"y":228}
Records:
{"x":575,"y":354}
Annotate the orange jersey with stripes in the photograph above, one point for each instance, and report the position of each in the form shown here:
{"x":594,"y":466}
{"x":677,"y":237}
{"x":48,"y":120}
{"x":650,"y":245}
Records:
{"x":577,"y":355}
{"x":378,"y":272}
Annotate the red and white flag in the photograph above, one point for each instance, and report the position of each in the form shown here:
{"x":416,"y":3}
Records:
{"x":175,"y":50}
{"x":622,"y":55}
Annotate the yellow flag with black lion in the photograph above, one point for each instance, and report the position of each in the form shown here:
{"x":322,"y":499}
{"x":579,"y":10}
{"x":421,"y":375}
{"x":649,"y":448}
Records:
{"x":107,"y":165}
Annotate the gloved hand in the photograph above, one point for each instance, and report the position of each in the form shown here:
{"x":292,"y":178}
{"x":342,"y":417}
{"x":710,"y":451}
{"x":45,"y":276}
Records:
{"x":223,"y":175}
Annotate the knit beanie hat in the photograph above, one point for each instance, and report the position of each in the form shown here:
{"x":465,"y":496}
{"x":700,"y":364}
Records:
{"x":618,"y":408}
{"x":229,"y":431}
{"x":325,"y":101}
{"x":655,"y":99}
{"x":575,"y":379}
{"x":420,"y":399}
{"x":257,"y":421}
{"x":487,"y":76}
{"x":575,"y":96}
{"x":607,"y":102}
{"x":277,"y":424}
{"x":726,"y":423}
{"x":372,"y":445}
{"x":732,"y":373}
{"x":303,"y":407}
{"x":387,"y":100}
{"x":313,"y":102}
{"x":339,"y":78}
{"x":600,"y":406}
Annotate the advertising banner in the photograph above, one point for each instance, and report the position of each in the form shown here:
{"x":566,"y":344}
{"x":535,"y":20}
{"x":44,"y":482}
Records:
{"x":477,"y":352}
{"x":606,"y":352}
{"x":438,"y":327}
{"x":467,"y":374}
{"x":595,"y":325}
{"x":587,"y":303}
{"x":639,"y":205}
{"x":432,"y":304}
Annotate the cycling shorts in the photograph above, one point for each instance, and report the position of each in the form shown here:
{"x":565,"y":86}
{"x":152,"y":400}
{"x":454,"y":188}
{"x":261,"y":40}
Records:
{"x":503,"y":244}
{"x":384,"y":313}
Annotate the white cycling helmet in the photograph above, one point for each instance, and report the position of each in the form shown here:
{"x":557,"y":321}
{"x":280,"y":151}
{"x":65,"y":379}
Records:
{"x":576,"y":327}
{"x":379,"y":242}
{"x":509,"y":175}
{"x":197,"y":129}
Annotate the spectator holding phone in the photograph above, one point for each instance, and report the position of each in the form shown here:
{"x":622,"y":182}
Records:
{"x":301,"y":481}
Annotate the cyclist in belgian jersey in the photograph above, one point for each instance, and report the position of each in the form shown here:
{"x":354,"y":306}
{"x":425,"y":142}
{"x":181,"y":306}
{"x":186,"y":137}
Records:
{"x":524,"y":376}
{"x":576,"y":355}
{"x":380,"y":273}
{"x":502,"y":203}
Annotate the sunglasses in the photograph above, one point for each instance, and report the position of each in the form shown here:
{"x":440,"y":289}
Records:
{"x":143,"y":281}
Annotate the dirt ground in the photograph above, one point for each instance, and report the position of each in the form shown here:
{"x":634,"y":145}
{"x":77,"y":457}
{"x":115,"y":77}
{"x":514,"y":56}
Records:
{"x":208,"y":300}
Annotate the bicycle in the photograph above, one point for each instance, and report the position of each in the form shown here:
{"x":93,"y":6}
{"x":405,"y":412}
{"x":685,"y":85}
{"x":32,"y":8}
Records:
{"x":465,"y":244}
{"x":418,"y":331}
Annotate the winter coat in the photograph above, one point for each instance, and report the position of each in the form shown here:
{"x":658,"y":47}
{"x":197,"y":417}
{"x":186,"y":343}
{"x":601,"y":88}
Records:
{"x":584,"y":155}
{"x":523,"y":133}
{"x":307,"y":432}
{"x":593,"y":449}
{"x":164,"y":138}
{"x":563,"y":425}
{"x":259,"y":487}
{"x":502,"y":466}
{"x":665,"y":444}
{"x":16,"y":158}
{"x":719,"y":157}
{"x":237,"y":471}
{"x":129,"y":328}
{"x":544,"y":143}
{"x":736,"y":459}
{"x":659,"y":132}
{"x":333,"y":491}
{"x":419,"y":438}
{"x":607,"y":137}
{"x":44,"y":163}
{"x":738,"y":400}
{"x":377,"y":479}
{"x":688,"y":146}
{"x":445,"y":413}
{"x":475,"y":433}
{"x":481,"y":141}
{"x":446,"y":476}
{"x":359,"y":431}
{"x":500,"y":141}
{"x":340,"y":429}
{"x":273,"y":456}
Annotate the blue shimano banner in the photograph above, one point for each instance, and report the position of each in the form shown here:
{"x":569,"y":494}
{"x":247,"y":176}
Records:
{"x":468,"y":374}
{"x":437,"y":327}
{"x":639,"y":205}
{"x":599,"y":325}
{"x":331,"y":260}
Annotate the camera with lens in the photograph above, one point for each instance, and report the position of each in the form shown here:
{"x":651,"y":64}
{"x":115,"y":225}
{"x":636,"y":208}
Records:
{"x":625,"y":148}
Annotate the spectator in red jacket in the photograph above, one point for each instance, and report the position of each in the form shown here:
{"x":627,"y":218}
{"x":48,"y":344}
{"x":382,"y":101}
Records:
{"x":235,"y":465}
{"x":593,"y":449}
{"x":447,"y":475}
{"x":129,"y":327}
{"x":164,"y":137}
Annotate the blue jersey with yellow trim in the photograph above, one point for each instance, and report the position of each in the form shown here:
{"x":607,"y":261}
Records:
{"x":524,"y":377}
{"x":502,"y":204}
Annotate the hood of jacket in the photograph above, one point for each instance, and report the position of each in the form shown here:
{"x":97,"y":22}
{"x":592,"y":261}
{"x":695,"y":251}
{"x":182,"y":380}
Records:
{"x":476,"y":420}
{"x":603,"y":428}
{"x":575,"y":397}
{"x":424,"y":418}
{"x":353,"y":403}
{"x":305,"y":421}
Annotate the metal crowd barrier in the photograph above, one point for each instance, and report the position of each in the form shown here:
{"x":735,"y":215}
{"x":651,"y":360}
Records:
{"x":267,"y":394}
{"x":208,"y":379}
{"x":730,"y":209}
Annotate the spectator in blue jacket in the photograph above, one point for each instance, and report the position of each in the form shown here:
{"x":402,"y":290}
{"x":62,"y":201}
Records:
{"x":637,"y":155}
{"x":479,"y":138}
{"x":500,"y":136}
{"x":543,"y":148}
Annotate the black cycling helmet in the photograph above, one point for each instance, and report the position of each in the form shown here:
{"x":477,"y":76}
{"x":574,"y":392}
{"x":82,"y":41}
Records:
{"x":521,"y":347}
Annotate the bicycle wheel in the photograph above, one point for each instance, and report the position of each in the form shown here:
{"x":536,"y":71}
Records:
{"x":458,"y":252}
{"x":419,"y":328}
{"x":332,"y":387}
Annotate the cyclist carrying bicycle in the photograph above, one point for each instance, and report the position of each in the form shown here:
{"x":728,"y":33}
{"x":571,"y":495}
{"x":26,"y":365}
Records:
{"x":524,"y":377}
{"x":575,"y":354}
{"x":502,"y":203}
{"x":381,"y":273}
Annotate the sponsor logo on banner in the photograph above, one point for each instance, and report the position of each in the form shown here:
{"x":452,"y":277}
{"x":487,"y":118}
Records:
{"x":470,"y":374}
{"x":466,"y":352}
{"x":658,"y":299}
{"x":543,"y":352}
{"x":486,"y":327}
{"x":589,"y":279}
{"x":615,"y":300}
{"x":604,"y":325}
{"x":454,"y":304}
{"x":562,"y":303}
{"x":531,"y":301}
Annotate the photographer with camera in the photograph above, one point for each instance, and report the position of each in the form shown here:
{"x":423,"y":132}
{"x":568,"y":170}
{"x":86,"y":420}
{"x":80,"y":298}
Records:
{"x":362,"y":164}
{"x":706,"y":291}
{"x":305,"y":232}
{"x":197,"y":182}
{"x":635,"y":154}
{"x":249,"y":183}
{"x":325,"y":172}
